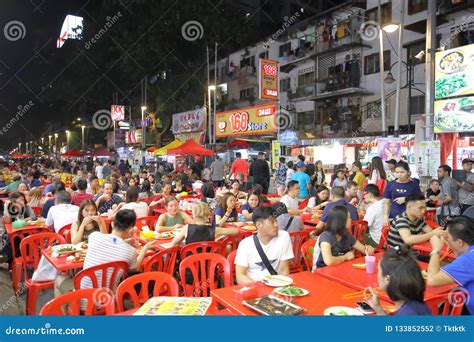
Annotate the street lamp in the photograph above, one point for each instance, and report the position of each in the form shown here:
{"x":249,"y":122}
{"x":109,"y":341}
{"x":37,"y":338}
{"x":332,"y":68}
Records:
{"x":26,"y":149}
{"x":209,"y":113}
{"x":143,"y":108}
{"x":55,"y":141}
{"x":391,"y":27}
{"x":42,"y":140}
{"x":67,"y":139}
{"x":19,"y":147}
{"x":82,"y":139}
{"x":49,"y":140}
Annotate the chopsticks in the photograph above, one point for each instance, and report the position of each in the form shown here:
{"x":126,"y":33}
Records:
{"x":448,"y":251}
{"x":269,"y":277}
{"x":359,"y":294}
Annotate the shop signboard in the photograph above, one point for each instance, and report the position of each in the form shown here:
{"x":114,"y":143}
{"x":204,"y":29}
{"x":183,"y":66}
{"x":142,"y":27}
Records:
{"x":429,"y":158}
{"x":198,"y":137}
{"x":190,"y":121}
{"x":454,"y":75}
{"x":133,"y":137}
{"x":454,"y":115}
{"x":248,"y":121}
{"x":389,"y":148}
{"x":268,"y":79}
{"x":276,"y":150}
{"x":117,"y":113}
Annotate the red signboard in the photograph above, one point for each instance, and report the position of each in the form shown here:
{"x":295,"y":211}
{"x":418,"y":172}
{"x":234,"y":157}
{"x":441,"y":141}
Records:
{"x":268,"y":79}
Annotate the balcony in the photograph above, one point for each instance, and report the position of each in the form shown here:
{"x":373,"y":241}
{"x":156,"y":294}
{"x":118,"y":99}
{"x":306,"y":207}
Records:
{"x":340,"y":92}
{"x":302,"y":93}
{"x":296,"y":57}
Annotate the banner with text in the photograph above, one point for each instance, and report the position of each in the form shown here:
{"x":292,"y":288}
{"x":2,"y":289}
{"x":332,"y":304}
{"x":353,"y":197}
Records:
{"x":190,"y":121}
{"x":256,"y":120}
{"x":268,"y":79}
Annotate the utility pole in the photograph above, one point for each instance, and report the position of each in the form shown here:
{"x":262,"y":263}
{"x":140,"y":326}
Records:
{"x":396,"y":123}
{"x":382,"y":72}
{"x":429,"y":69}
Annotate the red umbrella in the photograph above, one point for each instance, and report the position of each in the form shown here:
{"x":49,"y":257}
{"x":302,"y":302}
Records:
{"x":101,"y":152}
{"x":191,"y":147}
{"x":72,"y":152}
{"x":239,"y":144}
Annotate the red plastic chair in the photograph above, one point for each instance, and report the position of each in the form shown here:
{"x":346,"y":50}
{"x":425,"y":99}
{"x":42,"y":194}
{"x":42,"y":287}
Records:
{"x":135,"y":289}
{"x":234,"y":240}
{"x":66,"y":232}
{"x":149,"y":221}
{"x":163,"y":261}
{"x":303,"y":204}
{"x":383,"y":244}
{"x":208,"y":270}
{"x":37,"y":211}
{"x":307,"y":250}
{"x":114,"y":272}
{"x":430,"y":215}
{"x":201,"y":247}
{"x":297,"y":240}
{"x":16,"y":264}
{"x":231,"y":260}
{"x":359,"y":230}
{"x":98,"y":302}
{"x":31,"y":248}
{"x":447,"y":304}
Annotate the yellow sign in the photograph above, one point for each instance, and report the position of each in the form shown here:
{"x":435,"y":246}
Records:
{"x":256,"y":120}
{"x":276,"y":148}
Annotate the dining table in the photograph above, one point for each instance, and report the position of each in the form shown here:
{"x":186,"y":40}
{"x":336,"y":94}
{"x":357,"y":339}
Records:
{"x":347,"y":274}
{"x":425,"y":248}
{"x":323,"y":293}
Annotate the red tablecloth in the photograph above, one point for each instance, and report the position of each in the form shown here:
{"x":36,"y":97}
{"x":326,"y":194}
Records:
{"x":358,"y":279}
{"x":425,"y":248}
{"x":61,"y":263}
{"x":323,"y":293}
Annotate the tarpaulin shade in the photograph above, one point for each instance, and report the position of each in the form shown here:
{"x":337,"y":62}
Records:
{"x":191,"y":147}
{"x":164,"y":150}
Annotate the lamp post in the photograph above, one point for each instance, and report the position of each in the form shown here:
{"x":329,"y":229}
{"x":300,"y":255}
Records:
{"x":42,"y":140}
{"x":82,"y":136}
{"x":67,"y":139}
{"x":143,"y":108}
{"x":19,"y":147}
{"x":26,"y":149}
{"x":55,"y":141}
{"x":209,"y":112}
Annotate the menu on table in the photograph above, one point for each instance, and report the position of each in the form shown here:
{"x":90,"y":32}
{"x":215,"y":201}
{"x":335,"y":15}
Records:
{"x":175,"y":306}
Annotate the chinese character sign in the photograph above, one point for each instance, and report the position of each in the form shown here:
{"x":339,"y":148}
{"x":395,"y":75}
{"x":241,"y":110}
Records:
{"x":117,"y":113}
{"x":256,"y":120}
{"x":191,"y":121}
{"x":268,"y":79}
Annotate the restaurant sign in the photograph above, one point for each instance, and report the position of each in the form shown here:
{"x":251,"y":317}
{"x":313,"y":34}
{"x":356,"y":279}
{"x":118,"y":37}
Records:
{"x":268,"y":79}
{"x":454,"y":115}
{"x":190,"y":121}
{"x":256,"y":120}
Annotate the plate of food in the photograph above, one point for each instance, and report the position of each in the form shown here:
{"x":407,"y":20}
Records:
{"x":78,"y":257}
{"x":359,"y":266}
{"x":64,"y":249}
{"x":291,"y":291}
{"x":342,"y":311}
{"x":164,"y":235}
{"x":249,"y":228}
{"x":277,"y":280}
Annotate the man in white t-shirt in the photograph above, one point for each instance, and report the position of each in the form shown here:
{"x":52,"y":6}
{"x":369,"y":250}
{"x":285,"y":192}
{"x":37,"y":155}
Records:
{"x":374,"y":215}
{"x":291,"y":197}
{"x":62,"y":212}
{"x":99,"y":170}
{"x":276,"y":245}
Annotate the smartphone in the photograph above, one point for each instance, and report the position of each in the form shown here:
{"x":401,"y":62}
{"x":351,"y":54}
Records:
{"x":365,"y":308}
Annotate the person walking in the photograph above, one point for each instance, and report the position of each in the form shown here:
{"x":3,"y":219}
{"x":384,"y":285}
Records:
{"x":260,"y":172}
{"x":217,"y":172}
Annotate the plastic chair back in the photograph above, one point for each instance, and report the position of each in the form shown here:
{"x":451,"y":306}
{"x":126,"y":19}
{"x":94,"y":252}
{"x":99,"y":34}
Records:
{"x":149,"y":221}
{"x":383,"y":244}
{"x":450,"y":304}
{"x":297,"y":240}
{"x":360,"y":230}
{"x":201,"y":247}
{"x":231,"y":260}
{"x":307,"y":250}
{"x":106,"y":275}
{"x":96,"y":301}
{"x":163,"y":261}
{"x":66,"y":232}
{"x":135,"y":289}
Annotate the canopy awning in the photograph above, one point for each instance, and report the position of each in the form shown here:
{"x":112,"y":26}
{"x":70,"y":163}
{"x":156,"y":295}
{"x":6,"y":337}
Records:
{"x":164,"y":150}
{"x":101,"y":152}
{"x":190,"y":147}
{"x":72,"y":152}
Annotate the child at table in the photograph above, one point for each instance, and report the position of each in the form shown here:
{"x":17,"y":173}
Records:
{"x":400,"y":276}
{"x":173,"y":218}
{"x":201,"y":230}
{"x":88,"y":221}
{"x":253,"y":201}
{"x":335,"y":244}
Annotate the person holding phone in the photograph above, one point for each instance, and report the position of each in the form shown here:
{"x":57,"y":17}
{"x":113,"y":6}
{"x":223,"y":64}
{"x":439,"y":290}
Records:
{"x":88,"y":221}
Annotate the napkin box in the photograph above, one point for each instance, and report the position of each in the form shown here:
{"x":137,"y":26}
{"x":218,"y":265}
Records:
{"x":246,"y":292}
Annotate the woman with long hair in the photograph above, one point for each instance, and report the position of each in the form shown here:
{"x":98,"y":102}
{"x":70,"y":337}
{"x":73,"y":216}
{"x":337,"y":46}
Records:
{"x":132,"y":202}
{"x":253,"y":201}
{"x":377,"y":170}
{"x":319,"y":176}
{"x":35,"y":198}
{"x":226,"y":212}
{"x":321,"y":199}
{"x":88,"y":221}
{"x":335,"y":244}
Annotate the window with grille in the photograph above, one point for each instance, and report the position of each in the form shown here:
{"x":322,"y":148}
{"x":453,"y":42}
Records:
{"x":284,"y":48}
{"x":417,"y":105}
{"x":372,"y":14}
{"x":246,"y":93}
{"x":372,"y":62}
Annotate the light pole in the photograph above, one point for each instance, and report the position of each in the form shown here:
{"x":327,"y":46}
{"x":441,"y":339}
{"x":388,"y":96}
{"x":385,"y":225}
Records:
{"x":26,"y":149}
{"x":143,"y":108}
{"x":31,"y":147}
{"x":209,"y":112}
{"x":67,"y":139}
{"x":55,"y":141}
{"x":82,"y":137}
{"x":19,"y":147}
{"x":42,"y":140}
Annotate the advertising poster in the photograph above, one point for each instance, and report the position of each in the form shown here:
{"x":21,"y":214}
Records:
{"x":276,"y":148}
{"x":429,"y":158}
{"x":268,"y":79}
{"x":389,"y":148}
{"x":256,"y":120}
{"x":454,"y":115}
{"x":190,"y":121}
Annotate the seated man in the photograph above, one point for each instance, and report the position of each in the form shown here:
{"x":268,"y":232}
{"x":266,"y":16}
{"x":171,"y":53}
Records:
{"x":337,"y":198}
{"x":81,"y":195}
{"x":432,"y":194}
{"x":460,"y":239}
{"x":104,"y":248}
{"x":275,"y":245}
{"x":291,"y":198}
{"x":62,"y":212}
{"x":410,"y":228}
{"x":351,"y":194}
{"x":374,"y":215}
{"x":285,"y":221}
{"x":108,"y":199}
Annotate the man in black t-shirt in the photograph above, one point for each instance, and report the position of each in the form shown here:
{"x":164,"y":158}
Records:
{"x":260,"y":172}
{"x":432,"y":193}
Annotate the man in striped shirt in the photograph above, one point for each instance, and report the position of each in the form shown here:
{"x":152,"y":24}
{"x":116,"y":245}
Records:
{"x":410,"y":228}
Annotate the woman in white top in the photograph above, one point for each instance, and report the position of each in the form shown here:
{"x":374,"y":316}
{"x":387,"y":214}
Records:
{"x":377,"y":172}
{"x":290,"y":171}
{"x":141,"y":209}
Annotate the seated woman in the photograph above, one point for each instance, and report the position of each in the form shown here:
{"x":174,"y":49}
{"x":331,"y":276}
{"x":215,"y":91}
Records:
{"x":173,"y":218}
{"x":334,"y":245}
{"x":226,"y":212}
{"x":253,"y":201}
{"x":23,"y":188}
{"x":340,"y":179}
{"x":201,"y":230}
{"x":167,"y":191}
{"x":145,"y":191}
{"x":400,"y":276}
{"x":35,"y":198}
{"x":258,"y":189}
{"x":178,"y":186}
{"x":209,"y":196}
{"x":320,"y":200}
{"x":88,"y":221}
{"x":235,"y":190}
{"x":141,"y":209}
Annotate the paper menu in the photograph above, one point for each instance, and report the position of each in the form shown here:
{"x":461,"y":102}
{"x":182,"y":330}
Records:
{"x":175,"y":306}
